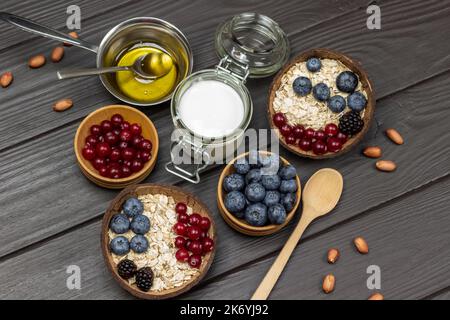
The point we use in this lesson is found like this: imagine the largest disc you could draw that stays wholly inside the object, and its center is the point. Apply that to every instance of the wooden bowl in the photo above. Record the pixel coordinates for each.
(354, 66)
(179, 195)
(240, 224)
(131, 115)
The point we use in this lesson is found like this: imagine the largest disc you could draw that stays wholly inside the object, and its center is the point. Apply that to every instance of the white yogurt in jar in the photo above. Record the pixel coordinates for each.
(211, 109)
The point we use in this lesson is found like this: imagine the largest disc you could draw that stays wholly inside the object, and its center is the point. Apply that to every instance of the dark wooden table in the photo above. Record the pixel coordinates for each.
(50, 214)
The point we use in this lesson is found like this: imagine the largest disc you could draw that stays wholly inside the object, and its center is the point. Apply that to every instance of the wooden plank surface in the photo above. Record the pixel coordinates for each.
(37, 164)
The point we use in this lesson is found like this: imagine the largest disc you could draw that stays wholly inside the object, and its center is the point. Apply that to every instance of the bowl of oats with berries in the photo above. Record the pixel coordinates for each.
(158, 241)
(321, 104)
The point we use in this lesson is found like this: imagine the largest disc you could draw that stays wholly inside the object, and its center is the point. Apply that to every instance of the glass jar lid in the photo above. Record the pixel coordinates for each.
(254, 43)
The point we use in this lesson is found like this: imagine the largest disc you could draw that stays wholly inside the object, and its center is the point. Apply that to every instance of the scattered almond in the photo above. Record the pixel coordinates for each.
(395, 136)
(72, 34)
(62, 105)
(36, 61)
(6, 79)
(386, 165)
(376, 296)
(328, 283)
(372, 152)
(361, 245)
(333, 255)
(57, 54)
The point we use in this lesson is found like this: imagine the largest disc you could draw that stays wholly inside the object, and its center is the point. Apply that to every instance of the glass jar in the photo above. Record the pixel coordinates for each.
(250, 45)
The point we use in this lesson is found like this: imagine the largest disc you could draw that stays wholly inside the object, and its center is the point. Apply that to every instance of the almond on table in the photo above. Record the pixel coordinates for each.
(386, 165)
(6, 79)
(333, 255)
(36, 61)
(372, 152)
(57, 54)
(63, 104)
(395, 136)
(361, 245)
(328, 283)
(72, 34)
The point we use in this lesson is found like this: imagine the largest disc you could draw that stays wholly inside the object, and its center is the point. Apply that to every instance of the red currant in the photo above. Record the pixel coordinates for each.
(194, 219)
(193, 232)
(125, 125)
(180, 229)
(125, 171)
(285, 130)
(135, 129)
(298, 131)
(279, 119)
(128, 154)
(114, 172)
(203, 235)
(111, 138)
(196, 247)
(125, 135)
(290, 139)
(116, 120)
(319, 147)
(136, 141)
(145, 155)
(127, 163)
(183, 217)
(182, 255)
(181, 207)
(96, 130)
(195, 261)
(101, 138)
(146, 145)
(123, 144)
(103, 150)
(115, 155)
(331, 130)
(309, 133)
(88, 153)
(98, 163)
(305, 144)
(180, 242)
(116, 131)
(208, 245)
(103, 171)
(91, 140)
(319, 135)
(334, 144)
(136, 165)
(204, 223)
(342, 137)
(106, 126)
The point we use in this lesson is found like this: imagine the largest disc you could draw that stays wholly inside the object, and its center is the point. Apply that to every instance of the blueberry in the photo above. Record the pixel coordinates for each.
(321, 92)
(271, 164)
(235, 201)
(233, 182)
(255, 192)
(139, 243)
(336, 104)
(288, 201)
(313, 64)
(272, 198)
(119, 224)
(302, 86)
(288, 186)
(287, 172)
(271, 182)
(357, 101)
(277, 214)
(120, 245)
(253, 175)
(140, 224)
(132, 207)
(256, 215)
(242, 166)
(347, 81)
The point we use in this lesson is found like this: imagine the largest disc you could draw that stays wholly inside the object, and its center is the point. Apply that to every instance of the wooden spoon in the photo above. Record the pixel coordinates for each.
(320, 195)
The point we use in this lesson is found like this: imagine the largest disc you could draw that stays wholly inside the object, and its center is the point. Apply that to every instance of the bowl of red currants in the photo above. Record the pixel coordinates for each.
(116, 146)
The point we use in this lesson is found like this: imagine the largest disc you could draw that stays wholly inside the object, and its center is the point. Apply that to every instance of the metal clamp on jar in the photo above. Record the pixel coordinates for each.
(212, 108)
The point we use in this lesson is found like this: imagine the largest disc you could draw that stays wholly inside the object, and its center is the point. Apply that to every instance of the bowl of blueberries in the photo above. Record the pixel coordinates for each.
(258, 193)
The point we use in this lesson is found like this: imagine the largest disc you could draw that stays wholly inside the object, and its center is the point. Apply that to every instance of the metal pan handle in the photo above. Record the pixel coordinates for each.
(39, 29)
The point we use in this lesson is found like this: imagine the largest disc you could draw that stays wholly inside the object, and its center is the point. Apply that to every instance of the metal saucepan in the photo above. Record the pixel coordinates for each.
(158, 32)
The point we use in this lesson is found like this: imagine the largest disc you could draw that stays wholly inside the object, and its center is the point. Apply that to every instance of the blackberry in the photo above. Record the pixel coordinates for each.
(351, 123)
(144, 278)
(126, 269)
